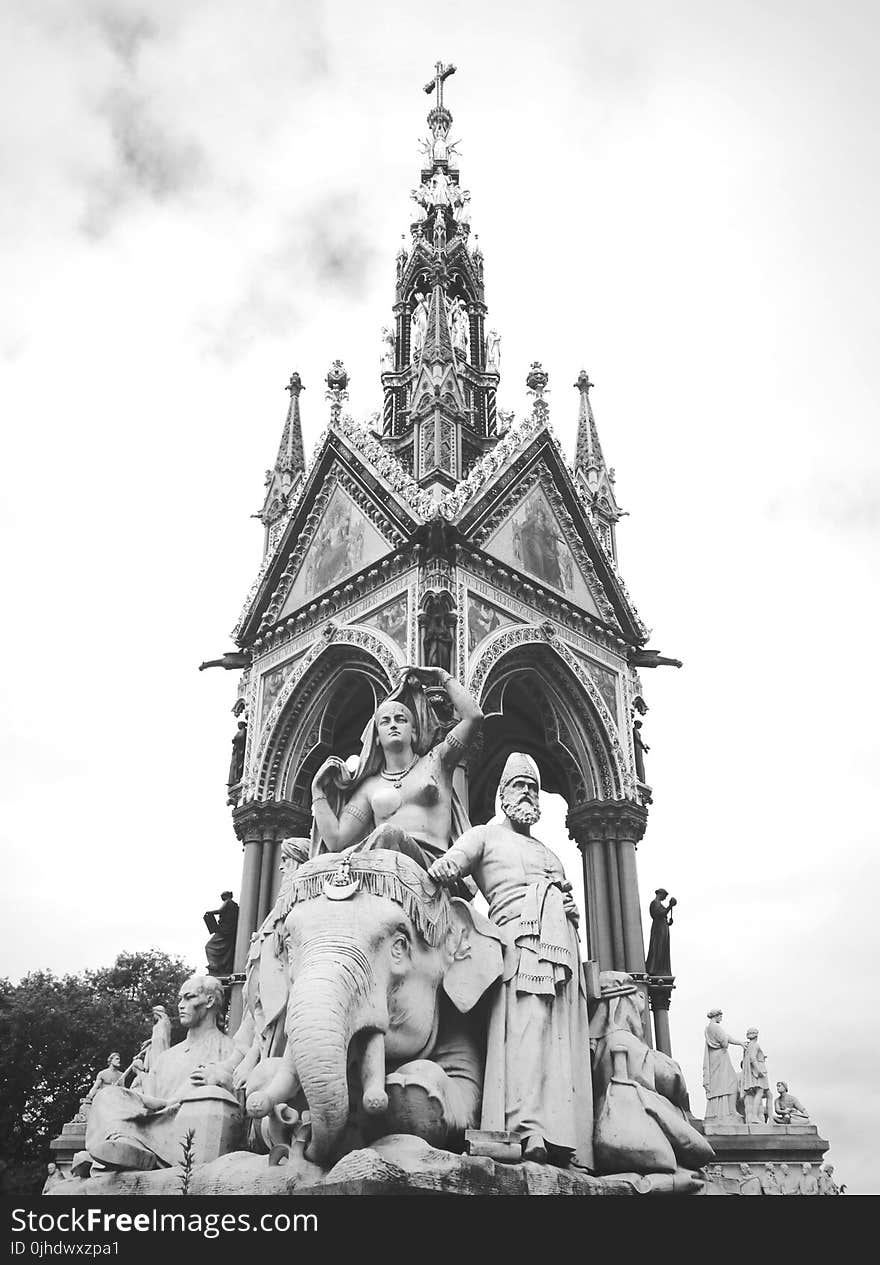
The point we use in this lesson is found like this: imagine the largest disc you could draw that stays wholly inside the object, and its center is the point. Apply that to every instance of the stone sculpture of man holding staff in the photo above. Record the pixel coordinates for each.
(537, 1082)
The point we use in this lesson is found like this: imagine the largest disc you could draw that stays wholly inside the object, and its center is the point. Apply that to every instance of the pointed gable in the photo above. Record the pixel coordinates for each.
(533, 540)
(343, 542)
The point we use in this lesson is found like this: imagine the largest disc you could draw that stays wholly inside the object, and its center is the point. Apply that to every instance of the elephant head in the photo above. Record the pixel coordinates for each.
(371, 941)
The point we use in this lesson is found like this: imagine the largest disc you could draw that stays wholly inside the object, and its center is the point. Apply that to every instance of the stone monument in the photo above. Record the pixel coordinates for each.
(439, 633)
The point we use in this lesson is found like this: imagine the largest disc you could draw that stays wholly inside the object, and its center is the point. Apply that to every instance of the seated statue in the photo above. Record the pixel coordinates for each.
(401, 796)
(109, 1075)
(786, 1105)
(143, 1129)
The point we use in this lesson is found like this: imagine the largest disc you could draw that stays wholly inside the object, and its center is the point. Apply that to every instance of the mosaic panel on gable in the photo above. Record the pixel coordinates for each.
(533, 541)
(345, 541)
(483, 619)
(390, 619)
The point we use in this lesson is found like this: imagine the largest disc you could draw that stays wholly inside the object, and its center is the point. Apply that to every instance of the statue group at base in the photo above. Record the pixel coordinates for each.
(380, 1004)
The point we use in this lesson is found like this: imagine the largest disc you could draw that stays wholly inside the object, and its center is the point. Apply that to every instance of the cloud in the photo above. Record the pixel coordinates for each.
(847, 502)
(148, 161)
(329, 247)
(126, 30)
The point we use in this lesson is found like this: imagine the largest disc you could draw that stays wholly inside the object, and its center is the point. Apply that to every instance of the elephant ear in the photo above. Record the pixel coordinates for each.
(478, 958)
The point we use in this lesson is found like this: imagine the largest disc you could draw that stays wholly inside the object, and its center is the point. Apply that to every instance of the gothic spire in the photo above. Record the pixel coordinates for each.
(291, 454)
(594, 477)
(289, 464)
(440, 370)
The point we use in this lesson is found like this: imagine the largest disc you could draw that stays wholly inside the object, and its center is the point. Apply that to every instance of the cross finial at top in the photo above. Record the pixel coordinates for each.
(583, 383)
(441, 73)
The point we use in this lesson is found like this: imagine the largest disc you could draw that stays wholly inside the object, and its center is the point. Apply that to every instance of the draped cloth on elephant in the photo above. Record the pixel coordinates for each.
(537, 1063)
(123, 1116)
(380, 873)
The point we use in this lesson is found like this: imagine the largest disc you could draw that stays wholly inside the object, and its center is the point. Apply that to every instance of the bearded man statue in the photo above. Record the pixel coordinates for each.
(537, 1083)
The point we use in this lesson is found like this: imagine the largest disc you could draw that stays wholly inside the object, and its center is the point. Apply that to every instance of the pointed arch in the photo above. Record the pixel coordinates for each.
(538, 698)
(322, 711)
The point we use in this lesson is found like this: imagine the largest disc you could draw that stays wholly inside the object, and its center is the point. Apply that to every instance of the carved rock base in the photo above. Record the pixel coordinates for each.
(398, 1164)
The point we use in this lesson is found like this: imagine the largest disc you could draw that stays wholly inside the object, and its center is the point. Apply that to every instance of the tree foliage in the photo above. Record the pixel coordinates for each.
(56, 1034)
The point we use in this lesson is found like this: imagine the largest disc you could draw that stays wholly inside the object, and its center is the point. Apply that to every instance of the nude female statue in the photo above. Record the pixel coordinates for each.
(401, 795)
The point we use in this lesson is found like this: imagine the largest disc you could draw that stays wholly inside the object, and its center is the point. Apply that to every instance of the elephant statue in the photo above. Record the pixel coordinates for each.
(385, 969)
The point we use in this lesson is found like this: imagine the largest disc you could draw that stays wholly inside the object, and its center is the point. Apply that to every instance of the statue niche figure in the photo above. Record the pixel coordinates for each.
(401, 796)
(236, 763)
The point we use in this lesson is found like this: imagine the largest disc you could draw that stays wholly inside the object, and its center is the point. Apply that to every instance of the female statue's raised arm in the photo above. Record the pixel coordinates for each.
(468, 728)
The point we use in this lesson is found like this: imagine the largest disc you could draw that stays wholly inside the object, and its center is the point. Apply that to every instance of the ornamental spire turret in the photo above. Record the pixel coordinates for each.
(291, 454)
(596, 480)
(289, 464)
(440, 366)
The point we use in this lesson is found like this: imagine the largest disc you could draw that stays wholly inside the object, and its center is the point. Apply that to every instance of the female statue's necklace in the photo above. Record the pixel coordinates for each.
(396, 779)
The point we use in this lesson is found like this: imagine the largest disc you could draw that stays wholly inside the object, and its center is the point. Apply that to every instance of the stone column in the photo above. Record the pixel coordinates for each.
(607, 832)
(260, 825)
(660, 990)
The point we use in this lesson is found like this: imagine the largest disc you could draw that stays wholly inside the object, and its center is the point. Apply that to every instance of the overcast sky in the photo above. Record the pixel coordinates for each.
(681, 198)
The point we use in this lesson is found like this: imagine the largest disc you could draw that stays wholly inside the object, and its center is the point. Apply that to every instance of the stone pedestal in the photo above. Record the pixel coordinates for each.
(215, 1117)
(71, 1139)
(760, 1144)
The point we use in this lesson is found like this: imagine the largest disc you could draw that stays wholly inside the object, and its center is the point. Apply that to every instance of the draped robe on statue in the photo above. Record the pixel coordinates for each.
(124, 1129)
(720, 1080)
(537, 1055)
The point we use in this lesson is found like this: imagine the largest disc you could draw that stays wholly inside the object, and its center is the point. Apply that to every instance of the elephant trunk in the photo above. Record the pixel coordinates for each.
(331, 997)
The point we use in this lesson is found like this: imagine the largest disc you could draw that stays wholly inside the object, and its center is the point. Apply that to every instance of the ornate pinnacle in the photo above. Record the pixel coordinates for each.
(291, 456)
(337, 382)
(337, 378)
(537, 379)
